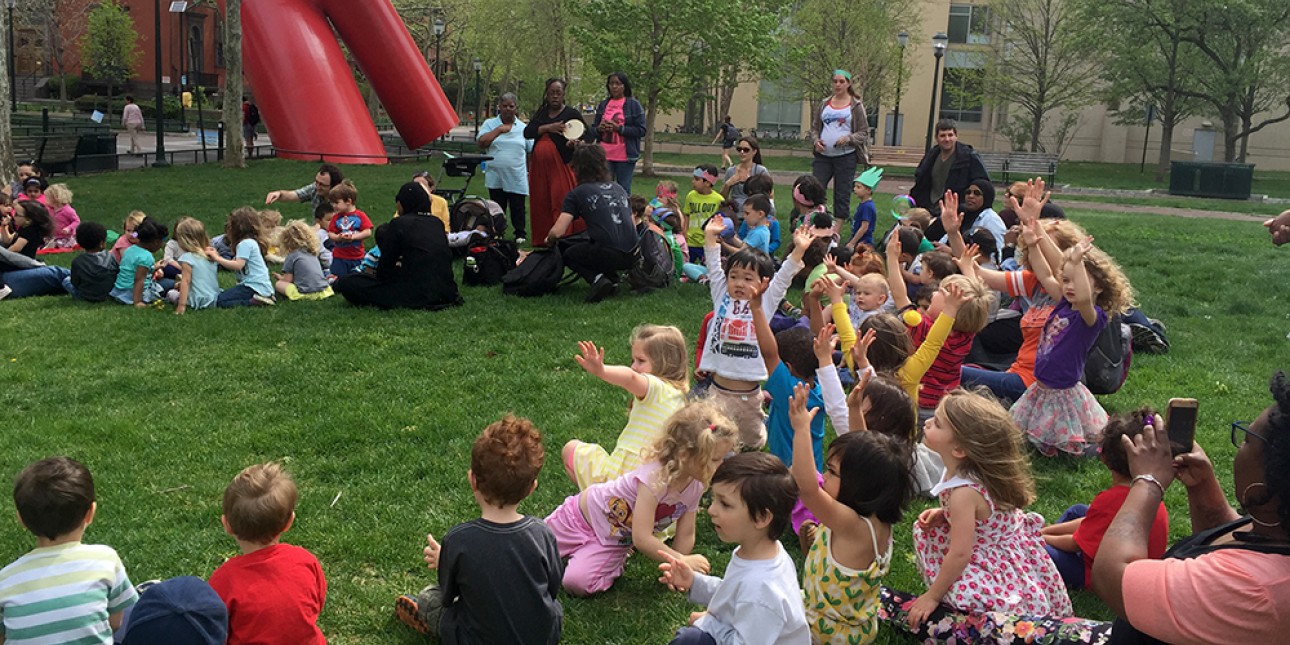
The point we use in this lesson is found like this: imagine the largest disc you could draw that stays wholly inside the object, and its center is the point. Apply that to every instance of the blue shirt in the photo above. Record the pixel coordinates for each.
(772, 226)
(203, 288)
(865, 212)
(759, 238)
(779, 431)
(255, 273)
(133, 257)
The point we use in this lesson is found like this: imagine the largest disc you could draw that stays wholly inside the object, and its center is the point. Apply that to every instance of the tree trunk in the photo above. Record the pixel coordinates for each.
(1229, 137)
(1036, 127)
(8, 169)
(1245, 135)
(651, 111)
(231, 110)
(1166, 148)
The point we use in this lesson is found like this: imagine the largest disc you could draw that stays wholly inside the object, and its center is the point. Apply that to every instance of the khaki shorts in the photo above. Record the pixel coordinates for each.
(744, 408)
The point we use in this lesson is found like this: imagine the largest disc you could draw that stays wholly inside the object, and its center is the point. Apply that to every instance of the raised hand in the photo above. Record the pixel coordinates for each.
(755, 300)
(860, 351)
(954, 297)
(798, 415)
(950, 204)
(591, 358)
(824, 343)
(967, 262)
(802, 237)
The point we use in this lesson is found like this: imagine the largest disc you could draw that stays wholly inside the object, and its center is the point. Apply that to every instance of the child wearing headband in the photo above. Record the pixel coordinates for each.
(700, 205)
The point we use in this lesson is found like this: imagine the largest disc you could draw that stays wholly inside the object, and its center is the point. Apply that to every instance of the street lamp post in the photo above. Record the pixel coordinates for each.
(438, 37)
(939, 41)
(903, 39)
(160, 160)
(479, 100)
(180, 7)
(13, 91)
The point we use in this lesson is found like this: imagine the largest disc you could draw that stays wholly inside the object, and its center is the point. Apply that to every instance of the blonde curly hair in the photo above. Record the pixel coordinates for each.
(984, 430)
(1063, 232)
(298, 236)
(691, 438)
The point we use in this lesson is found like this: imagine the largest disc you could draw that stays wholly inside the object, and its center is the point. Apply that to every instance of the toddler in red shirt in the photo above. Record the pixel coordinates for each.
(274, 591)
(1073, 541)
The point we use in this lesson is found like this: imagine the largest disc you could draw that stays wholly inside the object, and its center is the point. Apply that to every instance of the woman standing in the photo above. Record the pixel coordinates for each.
(550, 177)
(749, 165)
(507, 174)
(840, 130)
(620, 126)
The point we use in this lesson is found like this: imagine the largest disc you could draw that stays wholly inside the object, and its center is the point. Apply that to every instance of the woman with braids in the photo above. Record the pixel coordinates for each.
(1230, 580)
(550, 176)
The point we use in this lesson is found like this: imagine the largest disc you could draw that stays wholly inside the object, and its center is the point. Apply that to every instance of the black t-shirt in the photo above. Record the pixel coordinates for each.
(500, 583)
(35, 239)
(607, 212)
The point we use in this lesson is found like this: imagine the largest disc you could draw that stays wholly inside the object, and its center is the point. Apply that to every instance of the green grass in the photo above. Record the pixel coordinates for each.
(374, 411)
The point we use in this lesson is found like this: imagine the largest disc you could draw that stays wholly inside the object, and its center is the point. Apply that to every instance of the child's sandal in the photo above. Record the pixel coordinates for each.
(408, 613)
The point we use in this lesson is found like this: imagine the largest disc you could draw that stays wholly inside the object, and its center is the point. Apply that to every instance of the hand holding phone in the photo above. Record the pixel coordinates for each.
(1180, 422)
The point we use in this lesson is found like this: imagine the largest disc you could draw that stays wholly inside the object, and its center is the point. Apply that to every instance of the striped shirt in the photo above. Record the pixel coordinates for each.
(943, 375)
(645, 426)
(63, 594)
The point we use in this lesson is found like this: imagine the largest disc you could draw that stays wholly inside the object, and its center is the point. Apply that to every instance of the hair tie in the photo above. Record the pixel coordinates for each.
(843, 73)
(134, 235)
(712, 426)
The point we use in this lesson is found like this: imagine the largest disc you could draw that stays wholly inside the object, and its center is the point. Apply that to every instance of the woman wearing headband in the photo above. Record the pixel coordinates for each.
(840, 131)
(550, 177)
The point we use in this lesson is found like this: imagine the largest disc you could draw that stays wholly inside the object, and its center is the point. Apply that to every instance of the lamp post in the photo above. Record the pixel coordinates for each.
(939, 42)
(479, 101)
(179, 7)
(438, 37)
(13, 91)
(903, 39)
(160, 160)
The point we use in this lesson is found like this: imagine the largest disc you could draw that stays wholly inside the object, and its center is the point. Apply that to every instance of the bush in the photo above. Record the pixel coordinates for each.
(91, 102)
(73, 85)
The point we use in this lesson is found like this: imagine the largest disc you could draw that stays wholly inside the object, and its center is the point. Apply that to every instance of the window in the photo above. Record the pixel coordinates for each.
(961, 95)
(778, 107)
(969, 24)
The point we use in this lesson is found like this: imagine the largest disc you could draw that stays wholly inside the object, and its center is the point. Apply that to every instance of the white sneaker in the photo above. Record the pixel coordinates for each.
(5, 291)
(519, 241)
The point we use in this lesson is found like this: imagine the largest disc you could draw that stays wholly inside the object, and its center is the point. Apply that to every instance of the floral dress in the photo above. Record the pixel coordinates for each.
(1009, 571)
(842, 603)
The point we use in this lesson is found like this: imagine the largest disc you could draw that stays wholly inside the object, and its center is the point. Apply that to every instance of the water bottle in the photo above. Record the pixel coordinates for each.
(472, 265)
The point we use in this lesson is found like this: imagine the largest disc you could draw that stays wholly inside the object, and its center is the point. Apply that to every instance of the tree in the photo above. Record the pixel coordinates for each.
(7, 166)
(1145, 62)
(231, 110)
(109, 47)
(665, 45)
(1040, 62)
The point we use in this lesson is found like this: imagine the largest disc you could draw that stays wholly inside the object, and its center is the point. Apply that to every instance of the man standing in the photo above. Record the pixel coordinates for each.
(132, 119)
(250, 119)
(948, 166)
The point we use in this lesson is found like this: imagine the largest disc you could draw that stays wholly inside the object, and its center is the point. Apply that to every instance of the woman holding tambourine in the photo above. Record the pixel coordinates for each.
(556, 129)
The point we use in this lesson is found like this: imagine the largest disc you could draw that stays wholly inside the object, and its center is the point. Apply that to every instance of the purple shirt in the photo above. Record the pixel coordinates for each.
(1064, 346)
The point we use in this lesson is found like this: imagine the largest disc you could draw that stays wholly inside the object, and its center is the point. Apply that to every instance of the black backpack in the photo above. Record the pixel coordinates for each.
(488, 261)
(253, 115)
(1108, 362)
(653, 268)
(538, 275)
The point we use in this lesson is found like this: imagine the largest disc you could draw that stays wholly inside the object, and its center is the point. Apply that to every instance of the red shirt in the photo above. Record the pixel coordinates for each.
(1100, 513)
(273, 595)
(944, 373)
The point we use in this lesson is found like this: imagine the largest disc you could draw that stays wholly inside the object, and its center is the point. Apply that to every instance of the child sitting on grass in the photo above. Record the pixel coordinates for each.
(26, 230)
(127, 238)
(349, 227)
(1073, 542)
(657, 379)
(62, 591)
(244, 235)
(302, 276)
(134, 279)
(94, 271)
(198, 285)
(273, 591)
(758, 600)
(499, 575)
(58, 199)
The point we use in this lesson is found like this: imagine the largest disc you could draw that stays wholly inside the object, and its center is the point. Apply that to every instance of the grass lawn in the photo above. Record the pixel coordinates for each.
(374, 412)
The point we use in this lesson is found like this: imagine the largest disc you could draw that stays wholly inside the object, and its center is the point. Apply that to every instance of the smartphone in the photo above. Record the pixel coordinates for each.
(1180, 421)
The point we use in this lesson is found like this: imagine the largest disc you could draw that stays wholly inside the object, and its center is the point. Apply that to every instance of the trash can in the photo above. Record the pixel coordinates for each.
(96, 152)
(1204, 179)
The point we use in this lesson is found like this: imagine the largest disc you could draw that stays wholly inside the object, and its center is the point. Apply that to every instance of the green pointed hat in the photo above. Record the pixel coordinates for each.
(869, 177)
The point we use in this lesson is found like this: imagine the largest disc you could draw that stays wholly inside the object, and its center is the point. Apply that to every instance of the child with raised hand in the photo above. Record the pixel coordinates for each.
(730, 350)
(58, 199)
(1057, 412)
(499, 575)
(26, 230)
(869, 291)
(134, 279)
(758, 600)
(865, 489)
(598, 528)
(1073, 542)
(701, 204)
(980, 551)
(198, 285)
(657, 379)
(302, 276)
(242, 232)
(273, 591)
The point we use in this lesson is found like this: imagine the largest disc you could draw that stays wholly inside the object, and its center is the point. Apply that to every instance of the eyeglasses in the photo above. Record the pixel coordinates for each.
(744, 149)
(1244, 427)
(973, 192)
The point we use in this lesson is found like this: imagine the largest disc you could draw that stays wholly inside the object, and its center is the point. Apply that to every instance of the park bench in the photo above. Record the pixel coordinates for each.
(895, 156)
(1025, 165)
(54, 153)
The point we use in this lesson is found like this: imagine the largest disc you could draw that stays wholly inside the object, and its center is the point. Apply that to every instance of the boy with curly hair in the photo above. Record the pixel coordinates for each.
(499, 575)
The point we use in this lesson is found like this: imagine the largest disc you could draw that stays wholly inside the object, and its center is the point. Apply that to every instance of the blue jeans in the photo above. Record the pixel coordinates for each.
(622, 172)
(341, 267)
(40, 281)
(693, 636)
(1070, 565)
(238, 296)
(1004, 385)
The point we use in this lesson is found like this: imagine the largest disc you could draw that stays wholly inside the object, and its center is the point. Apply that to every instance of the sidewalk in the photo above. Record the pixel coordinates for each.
(182, 148)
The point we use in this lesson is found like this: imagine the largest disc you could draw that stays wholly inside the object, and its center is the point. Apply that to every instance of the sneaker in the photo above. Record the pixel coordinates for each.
(600, 289)
(406, 610)
(5, 291)
(1148, 340)
(806, 536)
(521, 241)
(266, 301)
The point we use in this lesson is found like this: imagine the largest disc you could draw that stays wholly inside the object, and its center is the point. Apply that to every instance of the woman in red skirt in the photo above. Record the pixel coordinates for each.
(550, 177)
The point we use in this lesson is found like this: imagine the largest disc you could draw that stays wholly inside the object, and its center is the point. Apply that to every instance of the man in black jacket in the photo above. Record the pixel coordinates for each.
(949, 166)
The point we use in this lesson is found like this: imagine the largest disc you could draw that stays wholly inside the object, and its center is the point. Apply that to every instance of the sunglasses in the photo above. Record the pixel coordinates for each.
(743, 149)
(1244, 427)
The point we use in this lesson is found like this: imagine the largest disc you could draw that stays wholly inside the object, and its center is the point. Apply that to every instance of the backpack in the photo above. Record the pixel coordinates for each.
(538, 275)
(732, 133)
(488, 262)
(654, 266)
(253, 115)
(1108, 362)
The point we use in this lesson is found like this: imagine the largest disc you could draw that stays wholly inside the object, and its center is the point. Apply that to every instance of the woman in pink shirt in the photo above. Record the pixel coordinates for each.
(619, 127)
(1230, 580)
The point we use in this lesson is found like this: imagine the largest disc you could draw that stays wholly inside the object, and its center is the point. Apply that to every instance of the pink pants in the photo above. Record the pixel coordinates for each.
(592, 567)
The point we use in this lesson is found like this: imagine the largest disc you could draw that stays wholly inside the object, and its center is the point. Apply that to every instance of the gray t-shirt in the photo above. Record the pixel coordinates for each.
(940, 175)
(306, 271)
(737, 194)
(94, 275)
